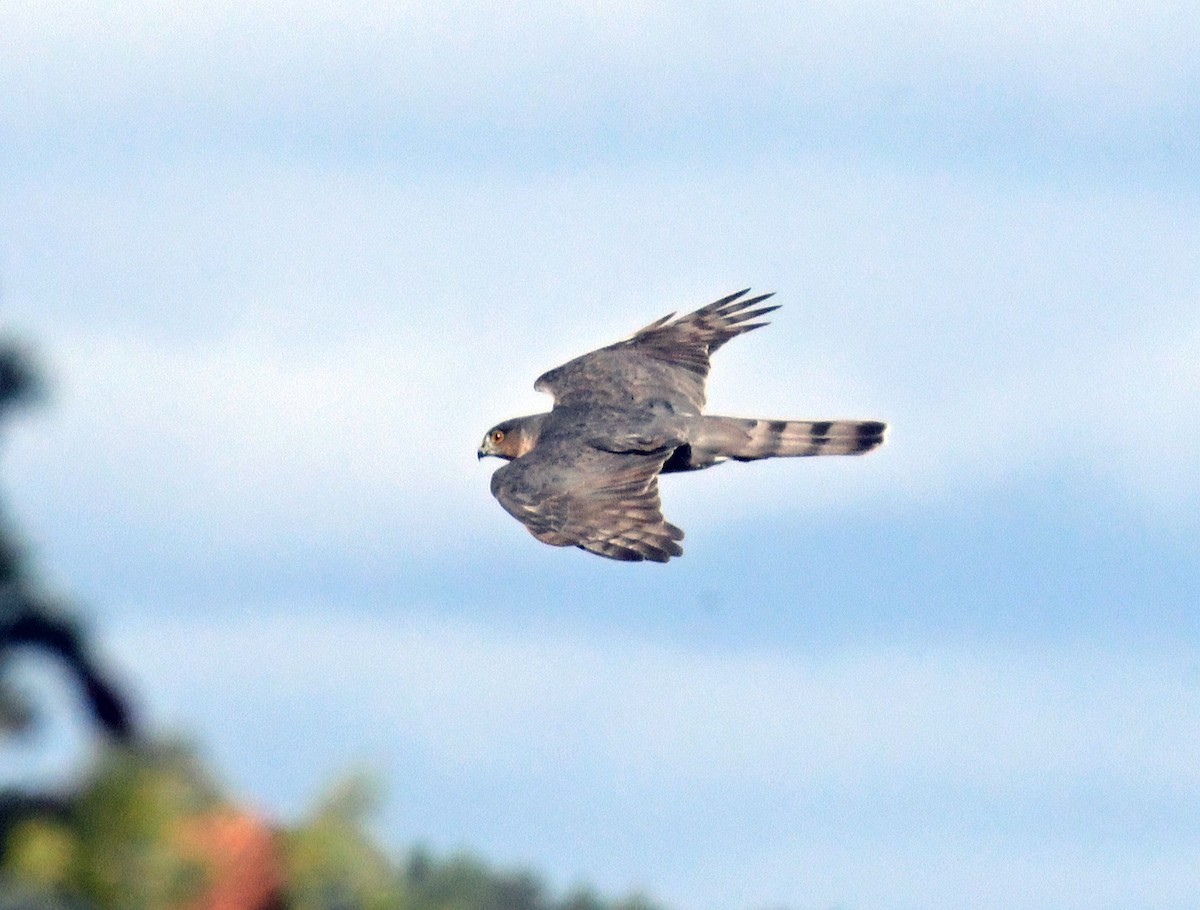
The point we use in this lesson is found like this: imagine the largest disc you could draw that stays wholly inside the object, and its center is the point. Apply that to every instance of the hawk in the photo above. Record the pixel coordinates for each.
(585, 473)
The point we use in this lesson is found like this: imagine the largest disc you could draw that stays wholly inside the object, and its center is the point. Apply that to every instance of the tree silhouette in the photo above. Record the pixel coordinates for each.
(29, 619)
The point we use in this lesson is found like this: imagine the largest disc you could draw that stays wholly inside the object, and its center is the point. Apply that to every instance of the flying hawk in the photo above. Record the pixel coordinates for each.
(585, 473)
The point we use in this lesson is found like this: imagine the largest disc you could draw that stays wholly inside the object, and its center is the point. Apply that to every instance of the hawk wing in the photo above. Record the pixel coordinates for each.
(666, 360)
(600, 501)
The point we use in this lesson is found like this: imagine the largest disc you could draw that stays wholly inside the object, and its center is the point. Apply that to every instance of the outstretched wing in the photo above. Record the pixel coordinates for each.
(601, 501)
(666, 360)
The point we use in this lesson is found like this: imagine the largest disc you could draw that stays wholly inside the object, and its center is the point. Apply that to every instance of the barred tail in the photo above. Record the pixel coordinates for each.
(716, 439)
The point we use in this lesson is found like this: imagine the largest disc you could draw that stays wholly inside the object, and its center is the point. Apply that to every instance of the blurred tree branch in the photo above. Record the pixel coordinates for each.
(29, 620)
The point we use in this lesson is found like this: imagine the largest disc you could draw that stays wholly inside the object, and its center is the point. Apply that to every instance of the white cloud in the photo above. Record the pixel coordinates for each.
(248, 352)
(1147, 417)
(894, 738)
(233, 445)
(1089, 63)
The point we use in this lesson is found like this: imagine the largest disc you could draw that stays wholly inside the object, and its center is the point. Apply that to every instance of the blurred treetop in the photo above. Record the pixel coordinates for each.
(148, 828)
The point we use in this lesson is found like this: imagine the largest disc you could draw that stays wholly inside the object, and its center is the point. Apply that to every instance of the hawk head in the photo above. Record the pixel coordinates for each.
(512, 438)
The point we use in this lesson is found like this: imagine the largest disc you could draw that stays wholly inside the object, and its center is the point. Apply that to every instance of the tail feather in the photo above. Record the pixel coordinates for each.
(721, 438)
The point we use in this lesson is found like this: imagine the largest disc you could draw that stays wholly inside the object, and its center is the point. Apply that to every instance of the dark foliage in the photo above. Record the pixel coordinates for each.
(29, 620)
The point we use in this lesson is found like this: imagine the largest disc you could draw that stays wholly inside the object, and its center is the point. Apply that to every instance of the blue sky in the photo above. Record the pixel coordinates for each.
(284, 266)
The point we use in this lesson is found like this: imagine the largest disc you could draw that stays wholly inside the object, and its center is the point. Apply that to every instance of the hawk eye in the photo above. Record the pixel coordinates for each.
(497, 436)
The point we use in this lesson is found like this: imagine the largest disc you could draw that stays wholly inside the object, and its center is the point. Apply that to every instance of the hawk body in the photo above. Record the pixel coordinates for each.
(585, 473)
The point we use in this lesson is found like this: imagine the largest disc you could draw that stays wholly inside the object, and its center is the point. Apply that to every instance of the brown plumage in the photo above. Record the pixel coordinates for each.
(585, 473)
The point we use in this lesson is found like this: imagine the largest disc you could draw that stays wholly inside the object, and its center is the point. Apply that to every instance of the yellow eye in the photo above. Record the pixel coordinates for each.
(498, 436)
